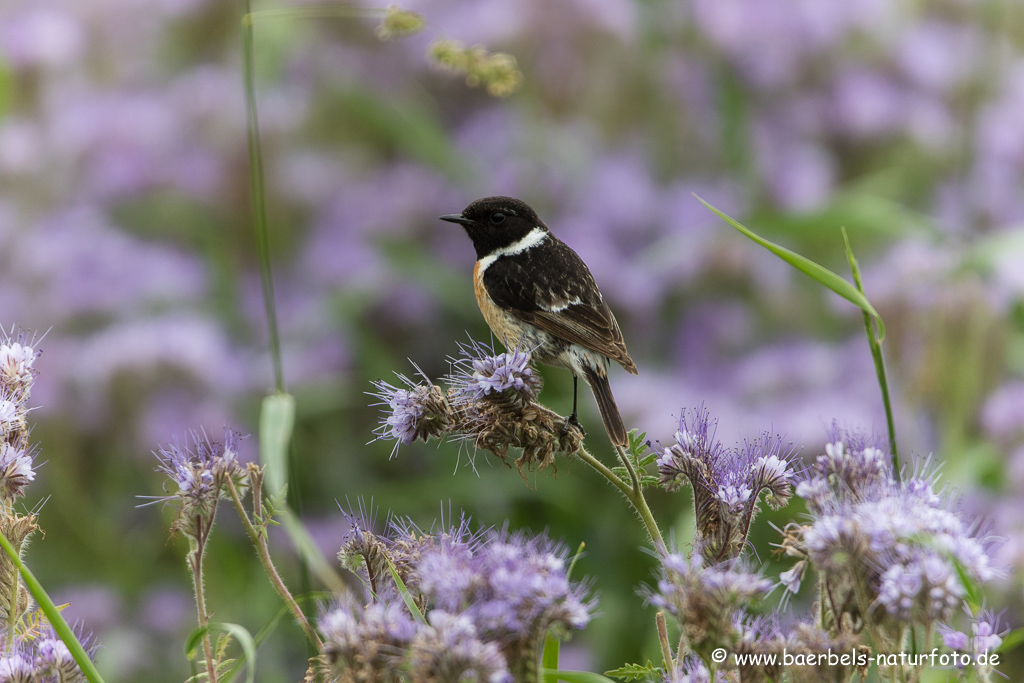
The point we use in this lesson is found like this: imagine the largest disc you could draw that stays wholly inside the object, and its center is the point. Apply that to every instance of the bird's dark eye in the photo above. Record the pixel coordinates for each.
(497, 217)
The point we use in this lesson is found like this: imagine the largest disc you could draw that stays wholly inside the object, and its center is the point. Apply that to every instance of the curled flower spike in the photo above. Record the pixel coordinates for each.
(15, 471)
(449, 649)
(17, 355)
(480, 373)
(200, 474)
(489, 597)
(491, 402)
(888, 551)
(17, 668)
(367, 644)
(706, 600)
(419, 412)
(727, 483)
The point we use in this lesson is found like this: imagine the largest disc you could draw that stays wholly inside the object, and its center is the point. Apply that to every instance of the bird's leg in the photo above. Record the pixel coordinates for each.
(572, 420)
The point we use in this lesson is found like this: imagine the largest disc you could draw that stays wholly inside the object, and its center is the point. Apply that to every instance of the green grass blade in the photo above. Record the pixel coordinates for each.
(808, 267)
(555, 675)
(277, 420)
(552, 648)
(404, 591)
(1011, 640)
(60, 626)
(259, 200)
(876, 355)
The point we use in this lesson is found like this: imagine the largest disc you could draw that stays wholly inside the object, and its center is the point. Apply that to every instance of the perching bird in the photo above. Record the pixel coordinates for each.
(537, 294)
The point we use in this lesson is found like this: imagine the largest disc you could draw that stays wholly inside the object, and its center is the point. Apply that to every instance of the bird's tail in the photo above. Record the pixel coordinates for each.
(606, 403)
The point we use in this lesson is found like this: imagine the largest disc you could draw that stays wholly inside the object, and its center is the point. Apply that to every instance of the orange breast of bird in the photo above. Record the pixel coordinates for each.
(503, 325)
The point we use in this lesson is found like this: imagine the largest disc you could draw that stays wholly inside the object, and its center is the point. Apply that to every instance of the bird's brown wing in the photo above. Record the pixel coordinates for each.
(552, 288)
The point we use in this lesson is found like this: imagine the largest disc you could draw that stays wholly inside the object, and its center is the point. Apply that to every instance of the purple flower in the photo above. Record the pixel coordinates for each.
(371, 643)
(691, 670)
(480, 373)
(54, 658)
(986, 635)
(953, 639)
(15, 471)
(449, 649)
(727, 483)
(200, 473)
(897, 540)
(513, 588)
(419, 412)
(17, 668)
(707, 600)
(926, 590)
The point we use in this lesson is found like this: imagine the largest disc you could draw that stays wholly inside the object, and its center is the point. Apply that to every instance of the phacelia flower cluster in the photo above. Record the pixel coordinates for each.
(708, 601)
(488, 599)
(17, 356)
(491, 402)
(889, 551)
(199, 476)
(727, 483)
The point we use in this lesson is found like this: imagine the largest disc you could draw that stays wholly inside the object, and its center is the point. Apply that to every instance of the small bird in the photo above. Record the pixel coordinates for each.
(536, 293)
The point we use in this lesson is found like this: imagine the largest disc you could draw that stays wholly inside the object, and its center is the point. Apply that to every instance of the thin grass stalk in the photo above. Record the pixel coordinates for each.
(259, 201)
(876, 356)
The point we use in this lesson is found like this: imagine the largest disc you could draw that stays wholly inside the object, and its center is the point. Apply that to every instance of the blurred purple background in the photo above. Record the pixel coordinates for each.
(125, 237)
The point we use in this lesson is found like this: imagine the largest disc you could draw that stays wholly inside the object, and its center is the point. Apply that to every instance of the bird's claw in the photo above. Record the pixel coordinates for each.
(570, 422)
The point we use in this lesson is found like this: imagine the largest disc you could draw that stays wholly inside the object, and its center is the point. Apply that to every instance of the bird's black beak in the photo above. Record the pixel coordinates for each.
(456, 218)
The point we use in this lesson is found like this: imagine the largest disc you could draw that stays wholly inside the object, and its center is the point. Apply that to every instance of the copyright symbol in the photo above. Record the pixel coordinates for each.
(718, 655)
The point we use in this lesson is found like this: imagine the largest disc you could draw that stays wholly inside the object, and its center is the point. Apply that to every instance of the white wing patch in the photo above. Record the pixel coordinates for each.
(557, 305)
(528, 241)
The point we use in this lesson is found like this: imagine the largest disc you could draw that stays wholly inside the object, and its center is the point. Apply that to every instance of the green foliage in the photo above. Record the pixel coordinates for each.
(640, 458)
(52, 612)
(573, 677)
(633, 672)
(808, 267)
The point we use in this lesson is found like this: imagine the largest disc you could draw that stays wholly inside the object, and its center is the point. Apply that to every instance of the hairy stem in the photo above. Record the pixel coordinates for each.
(259, 541)
(634, 494)
(196, 562)
(666, 648)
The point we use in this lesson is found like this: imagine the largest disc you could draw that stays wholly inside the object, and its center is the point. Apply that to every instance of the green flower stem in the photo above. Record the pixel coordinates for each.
(634, 494)
(259, 541)
(666, 649)
(195, 558)
(621, 452)
(876, 356)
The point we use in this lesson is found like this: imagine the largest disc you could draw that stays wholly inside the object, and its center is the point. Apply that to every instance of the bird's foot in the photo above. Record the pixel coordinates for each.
(570, 422)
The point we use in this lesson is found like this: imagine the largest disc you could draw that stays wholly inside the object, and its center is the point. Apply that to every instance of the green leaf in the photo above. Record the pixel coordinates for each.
(277, 419)
(552, 646)
(808, 267)
(970, 585)
(575, 558)
(406, 595)
(1011, 640)
(555, 675)
(246, 641)
(631, 672)
(60, 626)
